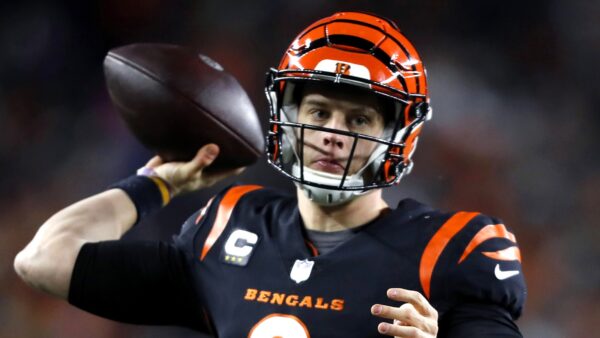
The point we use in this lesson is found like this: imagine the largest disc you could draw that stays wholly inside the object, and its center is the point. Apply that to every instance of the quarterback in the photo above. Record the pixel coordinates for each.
(348, 101)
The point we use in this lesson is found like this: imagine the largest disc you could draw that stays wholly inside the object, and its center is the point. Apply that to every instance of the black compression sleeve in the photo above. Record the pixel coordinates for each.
(136, 282)
(478, 320)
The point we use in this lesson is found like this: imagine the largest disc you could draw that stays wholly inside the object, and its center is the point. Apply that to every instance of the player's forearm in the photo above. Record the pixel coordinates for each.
(47, 262)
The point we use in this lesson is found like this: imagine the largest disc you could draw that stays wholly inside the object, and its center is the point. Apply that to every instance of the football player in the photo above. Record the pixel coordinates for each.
(348, 102)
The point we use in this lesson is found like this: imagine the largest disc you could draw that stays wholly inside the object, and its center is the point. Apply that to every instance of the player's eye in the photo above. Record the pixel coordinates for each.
(319, 115)
(360, 121)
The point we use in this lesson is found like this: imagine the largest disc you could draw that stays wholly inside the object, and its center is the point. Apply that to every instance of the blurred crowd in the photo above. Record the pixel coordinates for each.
(513, 134)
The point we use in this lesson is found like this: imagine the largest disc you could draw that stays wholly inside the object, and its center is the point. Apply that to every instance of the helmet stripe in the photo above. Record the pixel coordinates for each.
(355, 42)
(394, 35)
(360, 23)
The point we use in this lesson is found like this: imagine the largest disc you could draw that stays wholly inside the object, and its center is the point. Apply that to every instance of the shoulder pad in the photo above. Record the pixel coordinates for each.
(215, 214)
(474, 258)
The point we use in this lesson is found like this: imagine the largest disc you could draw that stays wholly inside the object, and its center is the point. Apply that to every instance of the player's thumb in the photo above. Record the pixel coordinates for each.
(205, 156)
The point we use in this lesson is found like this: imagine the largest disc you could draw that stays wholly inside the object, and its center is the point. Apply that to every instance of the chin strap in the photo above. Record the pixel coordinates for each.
(328, 197)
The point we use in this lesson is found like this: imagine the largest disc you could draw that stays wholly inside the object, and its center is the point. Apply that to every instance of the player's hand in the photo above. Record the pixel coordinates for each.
(415, 318)
(189, 176)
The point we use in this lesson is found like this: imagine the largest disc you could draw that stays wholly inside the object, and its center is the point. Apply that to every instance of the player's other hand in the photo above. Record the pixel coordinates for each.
(415, 318)
(189, 176)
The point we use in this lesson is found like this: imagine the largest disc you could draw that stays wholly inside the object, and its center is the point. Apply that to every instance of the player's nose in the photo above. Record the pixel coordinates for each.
(335, 140)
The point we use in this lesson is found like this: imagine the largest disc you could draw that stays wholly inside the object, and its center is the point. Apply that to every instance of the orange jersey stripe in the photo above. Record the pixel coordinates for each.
(509, 254)
(487, 232)
(224, 213)
(438, 243)
(203, 210)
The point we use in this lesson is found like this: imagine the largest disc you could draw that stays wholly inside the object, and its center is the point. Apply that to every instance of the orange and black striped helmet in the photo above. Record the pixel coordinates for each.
(356, 49)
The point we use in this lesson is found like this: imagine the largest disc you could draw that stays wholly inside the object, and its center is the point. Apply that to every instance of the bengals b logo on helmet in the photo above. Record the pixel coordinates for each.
(342, 68)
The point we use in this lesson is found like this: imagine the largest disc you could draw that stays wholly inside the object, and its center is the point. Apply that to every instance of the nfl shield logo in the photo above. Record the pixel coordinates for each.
(301, 270)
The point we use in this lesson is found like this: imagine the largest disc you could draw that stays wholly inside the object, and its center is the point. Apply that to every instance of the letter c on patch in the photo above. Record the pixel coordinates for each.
(240, 243)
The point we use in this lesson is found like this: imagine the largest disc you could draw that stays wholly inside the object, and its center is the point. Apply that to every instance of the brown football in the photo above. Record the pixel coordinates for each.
(175, 100)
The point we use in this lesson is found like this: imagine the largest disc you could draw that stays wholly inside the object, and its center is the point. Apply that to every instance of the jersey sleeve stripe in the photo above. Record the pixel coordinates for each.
(224, 213)
(438, 243)
(203, 210)
(487, 232)
(509, 254)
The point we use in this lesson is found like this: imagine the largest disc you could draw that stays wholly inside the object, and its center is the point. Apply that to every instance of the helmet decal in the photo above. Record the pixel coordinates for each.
(343, 68)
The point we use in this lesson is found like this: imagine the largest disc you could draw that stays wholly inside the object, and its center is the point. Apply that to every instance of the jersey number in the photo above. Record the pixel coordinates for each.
(278, 325)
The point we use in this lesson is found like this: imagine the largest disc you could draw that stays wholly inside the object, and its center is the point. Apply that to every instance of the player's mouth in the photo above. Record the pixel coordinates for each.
(328, 164)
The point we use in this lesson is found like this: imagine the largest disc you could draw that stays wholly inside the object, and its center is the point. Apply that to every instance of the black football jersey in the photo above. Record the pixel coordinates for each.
(255, 274)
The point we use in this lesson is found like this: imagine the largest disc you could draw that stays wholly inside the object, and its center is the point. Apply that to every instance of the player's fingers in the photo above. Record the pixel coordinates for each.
(154, 162)
(406, 315)
(401, 331)
(204, 157)
(409, 316)
(415, 298)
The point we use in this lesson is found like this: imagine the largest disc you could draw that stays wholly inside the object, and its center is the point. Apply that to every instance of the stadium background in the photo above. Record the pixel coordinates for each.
(515, 95)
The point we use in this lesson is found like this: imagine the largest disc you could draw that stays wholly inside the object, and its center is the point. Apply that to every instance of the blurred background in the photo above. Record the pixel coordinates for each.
(513, 85)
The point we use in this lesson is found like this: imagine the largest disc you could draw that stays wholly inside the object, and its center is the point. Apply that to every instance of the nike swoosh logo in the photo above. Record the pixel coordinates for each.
(502, 275)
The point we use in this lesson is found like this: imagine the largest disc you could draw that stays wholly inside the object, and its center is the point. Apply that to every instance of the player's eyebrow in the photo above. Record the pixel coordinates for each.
(319, 102)
(324, 102)
(364, 110)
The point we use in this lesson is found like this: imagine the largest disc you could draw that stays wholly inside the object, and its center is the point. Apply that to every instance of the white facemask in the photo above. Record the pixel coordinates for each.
(328, 197)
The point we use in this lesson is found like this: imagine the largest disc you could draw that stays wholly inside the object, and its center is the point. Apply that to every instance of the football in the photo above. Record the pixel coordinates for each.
(175, 100)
